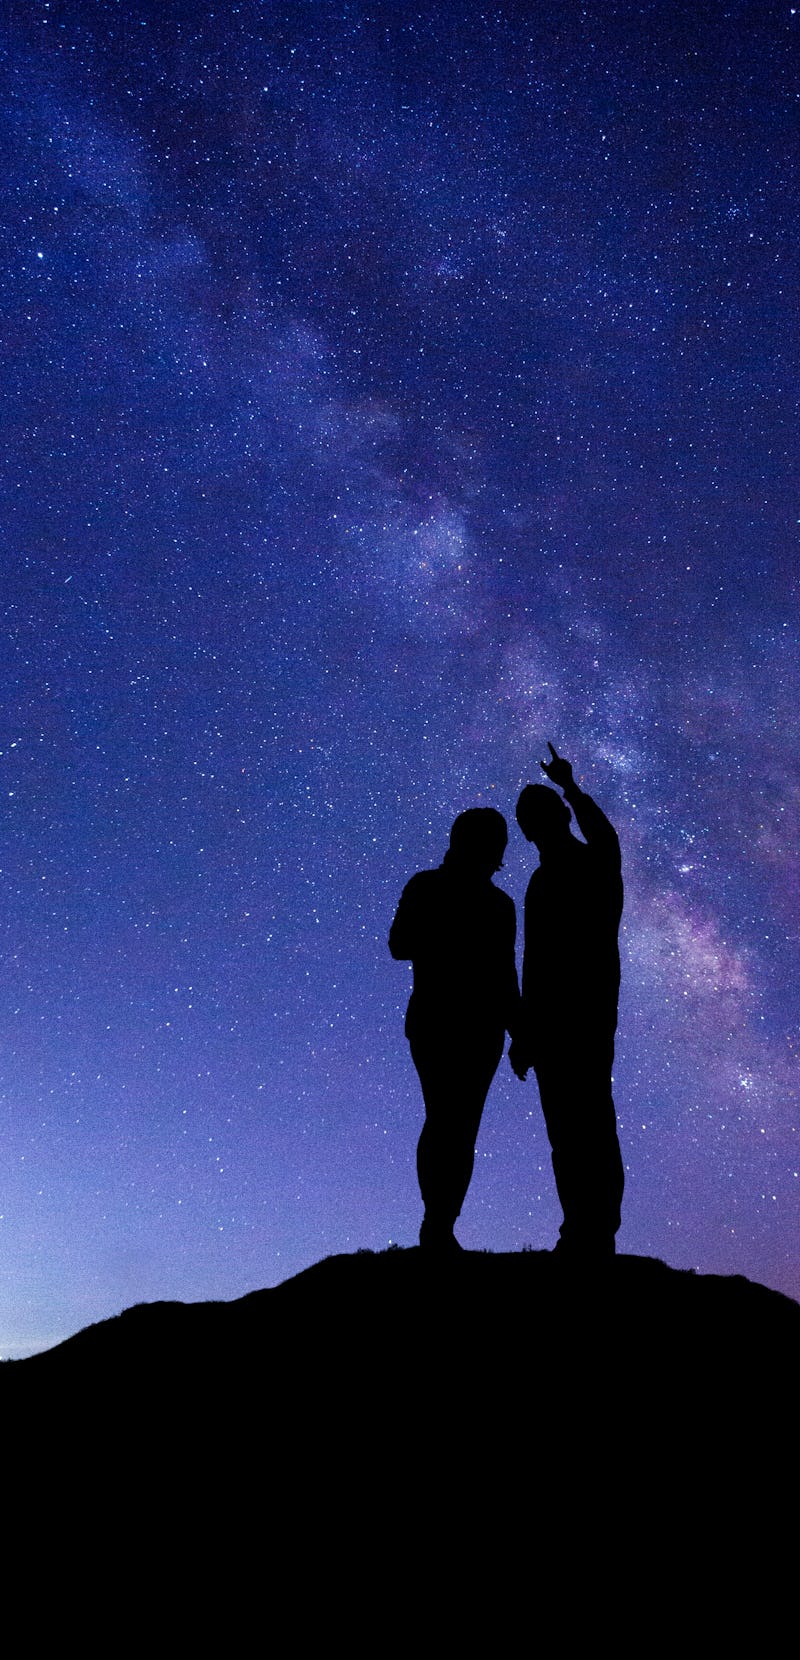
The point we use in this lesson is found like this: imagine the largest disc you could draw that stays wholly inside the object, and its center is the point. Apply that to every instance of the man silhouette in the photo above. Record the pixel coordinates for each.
(570, 990)
(459, 930)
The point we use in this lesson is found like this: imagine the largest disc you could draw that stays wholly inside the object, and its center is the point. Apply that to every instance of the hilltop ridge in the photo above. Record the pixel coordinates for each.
(378, 1404)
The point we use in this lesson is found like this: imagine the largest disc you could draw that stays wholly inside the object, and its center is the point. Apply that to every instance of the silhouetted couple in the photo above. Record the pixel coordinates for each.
(459, 931)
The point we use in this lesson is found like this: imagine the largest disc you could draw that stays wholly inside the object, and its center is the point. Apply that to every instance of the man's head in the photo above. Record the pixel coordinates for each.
(542, 816)
(478, 840)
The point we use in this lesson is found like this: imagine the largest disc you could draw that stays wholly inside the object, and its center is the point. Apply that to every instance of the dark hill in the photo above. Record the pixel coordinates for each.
(377, 1411)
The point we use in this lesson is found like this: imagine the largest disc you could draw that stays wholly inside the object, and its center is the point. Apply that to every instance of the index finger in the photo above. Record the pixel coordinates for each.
(553, 751)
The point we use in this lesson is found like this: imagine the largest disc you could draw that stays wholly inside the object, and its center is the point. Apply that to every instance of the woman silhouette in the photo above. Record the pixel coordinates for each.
(459, 932)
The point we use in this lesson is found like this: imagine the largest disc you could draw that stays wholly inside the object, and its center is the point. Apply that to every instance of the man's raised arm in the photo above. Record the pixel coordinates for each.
(598, 831)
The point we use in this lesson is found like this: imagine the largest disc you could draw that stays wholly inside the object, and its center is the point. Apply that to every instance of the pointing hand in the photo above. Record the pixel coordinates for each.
(558, 770)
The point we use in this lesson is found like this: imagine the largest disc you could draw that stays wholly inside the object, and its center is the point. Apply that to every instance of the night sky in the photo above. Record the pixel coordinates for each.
(387, 391)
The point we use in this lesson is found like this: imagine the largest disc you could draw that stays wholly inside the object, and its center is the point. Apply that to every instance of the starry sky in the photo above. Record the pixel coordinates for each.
(388, 390)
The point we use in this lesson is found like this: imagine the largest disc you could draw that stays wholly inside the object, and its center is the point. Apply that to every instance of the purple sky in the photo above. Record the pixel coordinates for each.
(386, 393)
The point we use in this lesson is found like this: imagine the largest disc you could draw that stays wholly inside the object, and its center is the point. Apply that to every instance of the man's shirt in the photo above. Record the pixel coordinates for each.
(570, 969)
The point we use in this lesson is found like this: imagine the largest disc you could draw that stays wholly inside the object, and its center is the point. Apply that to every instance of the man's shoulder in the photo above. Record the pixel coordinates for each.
(421, 880)
(534, 883)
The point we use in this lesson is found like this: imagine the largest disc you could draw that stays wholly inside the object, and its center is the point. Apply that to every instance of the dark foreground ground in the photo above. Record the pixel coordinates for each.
(486, 1437)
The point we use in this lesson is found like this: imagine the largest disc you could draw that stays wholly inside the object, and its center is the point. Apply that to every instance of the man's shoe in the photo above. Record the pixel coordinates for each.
(584, 1253)
(437, 1240)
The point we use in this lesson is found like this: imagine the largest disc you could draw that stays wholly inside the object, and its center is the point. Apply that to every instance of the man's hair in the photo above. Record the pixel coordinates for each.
(540, 808)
